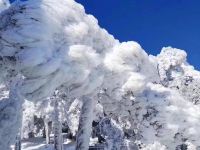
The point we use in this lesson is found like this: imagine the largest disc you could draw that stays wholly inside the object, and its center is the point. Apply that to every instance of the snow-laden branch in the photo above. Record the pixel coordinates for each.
(52, 47)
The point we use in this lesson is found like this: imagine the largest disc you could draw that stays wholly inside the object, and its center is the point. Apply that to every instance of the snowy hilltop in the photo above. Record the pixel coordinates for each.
(65, 78)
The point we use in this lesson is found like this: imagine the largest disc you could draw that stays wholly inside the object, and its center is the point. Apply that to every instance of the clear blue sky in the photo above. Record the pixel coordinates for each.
(152, 23)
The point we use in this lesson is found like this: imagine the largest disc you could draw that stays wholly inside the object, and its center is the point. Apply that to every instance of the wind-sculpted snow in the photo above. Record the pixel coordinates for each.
(52, 42)
(126, 67)
(55, 45)
(151, 111)
(169, 62)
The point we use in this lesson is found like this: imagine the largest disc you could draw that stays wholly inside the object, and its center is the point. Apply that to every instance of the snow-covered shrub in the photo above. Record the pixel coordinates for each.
(188, 87)
(170, 62)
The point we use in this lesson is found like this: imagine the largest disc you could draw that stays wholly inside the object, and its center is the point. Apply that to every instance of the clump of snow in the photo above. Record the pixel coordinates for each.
(129, 57)
(135, 83)
(125, 67)
(174, 56)
(4, 4)
(154, 146)
(169, 63)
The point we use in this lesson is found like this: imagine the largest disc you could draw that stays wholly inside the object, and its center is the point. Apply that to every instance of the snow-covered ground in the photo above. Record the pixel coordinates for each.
(39, 144)
(35, 144)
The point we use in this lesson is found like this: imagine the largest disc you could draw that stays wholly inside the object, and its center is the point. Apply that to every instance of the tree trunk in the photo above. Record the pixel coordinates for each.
(85, 124)
(18, 142)
(58, 142)
(47, 132)
(10, 118)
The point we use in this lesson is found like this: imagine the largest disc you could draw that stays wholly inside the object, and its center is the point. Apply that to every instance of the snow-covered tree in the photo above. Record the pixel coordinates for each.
(51, 48)
(178, 74)
(10, 116)
(85, 124)
(27, 128)
(142, 106)
(55, 46)
(170, 62)
(18, 142)
(58, 141)
(188, 87)
(112, 133)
